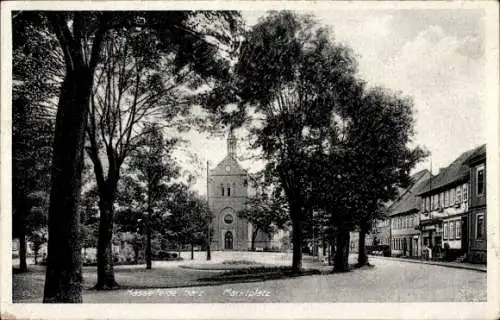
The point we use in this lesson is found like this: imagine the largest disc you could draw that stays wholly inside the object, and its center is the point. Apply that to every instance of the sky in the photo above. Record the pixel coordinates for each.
(434, 56)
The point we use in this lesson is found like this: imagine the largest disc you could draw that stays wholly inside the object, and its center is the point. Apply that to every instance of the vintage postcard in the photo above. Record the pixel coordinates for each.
(249, 159)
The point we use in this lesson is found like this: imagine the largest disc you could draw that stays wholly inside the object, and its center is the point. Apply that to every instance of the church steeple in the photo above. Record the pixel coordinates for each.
(231, 144)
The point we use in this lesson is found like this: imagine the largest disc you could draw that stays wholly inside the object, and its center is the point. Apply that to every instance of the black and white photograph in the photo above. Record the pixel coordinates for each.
(249, 160)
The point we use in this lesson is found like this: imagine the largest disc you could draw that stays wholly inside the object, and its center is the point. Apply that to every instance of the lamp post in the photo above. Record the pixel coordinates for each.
(209, 255)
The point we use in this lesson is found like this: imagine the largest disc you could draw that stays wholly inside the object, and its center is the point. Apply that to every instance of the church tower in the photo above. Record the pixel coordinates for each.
(227, 194)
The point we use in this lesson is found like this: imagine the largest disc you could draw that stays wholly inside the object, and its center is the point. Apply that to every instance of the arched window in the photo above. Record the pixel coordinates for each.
(228, 190)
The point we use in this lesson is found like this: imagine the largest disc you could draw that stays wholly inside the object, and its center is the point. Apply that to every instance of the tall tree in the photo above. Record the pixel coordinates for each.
(80, 36)
(144, 77)
(290, 75)
(154, 167)
(31, 150)
(367, 154)
(34, 85)
(380, 133)
(189, 216)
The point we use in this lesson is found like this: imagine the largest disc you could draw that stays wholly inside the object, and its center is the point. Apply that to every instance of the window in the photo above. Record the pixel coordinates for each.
(436, 201)
(423, 204)
(445, 230)
(428, 205)
(452, 230)
(480, 180)
(465, 193)
(446, 198)
(459, 195)
(480, 226)
(228, 191)
(452, 196)
(441, 200)
(228, 219)
(458, 229)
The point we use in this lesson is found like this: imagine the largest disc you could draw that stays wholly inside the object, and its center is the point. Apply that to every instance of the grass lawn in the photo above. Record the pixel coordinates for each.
(29, 286)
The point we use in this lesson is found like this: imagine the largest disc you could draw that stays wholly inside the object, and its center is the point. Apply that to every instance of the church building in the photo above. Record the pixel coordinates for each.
(228, 190)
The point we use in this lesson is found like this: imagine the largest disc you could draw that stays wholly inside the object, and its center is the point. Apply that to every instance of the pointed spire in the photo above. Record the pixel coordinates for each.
(231, 144)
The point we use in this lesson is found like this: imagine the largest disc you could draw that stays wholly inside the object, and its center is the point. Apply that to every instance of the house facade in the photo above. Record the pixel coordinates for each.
(476, 232)
(404, 218)
(380, 233)
(444, 209)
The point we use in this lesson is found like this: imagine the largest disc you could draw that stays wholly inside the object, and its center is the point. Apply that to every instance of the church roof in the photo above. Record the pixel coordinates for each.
(228, 161)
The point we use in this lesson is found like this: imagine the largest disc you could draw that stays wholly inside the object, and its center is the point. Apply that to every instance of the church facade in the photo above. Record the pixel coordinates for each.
(228, 190)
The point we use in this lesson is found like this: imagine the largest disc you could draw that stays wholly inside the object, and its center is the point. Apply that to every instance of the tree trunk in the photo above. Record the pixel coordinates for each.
(192, 251)
(136, 254)
(362, 257)
(23, 266)
(149, 257)
(64, 271)
(296, 241)
(341, 261)
(209, 253)
(19, 220)
(324, 245)
(105, 263)
(254, 236)
(36, 256)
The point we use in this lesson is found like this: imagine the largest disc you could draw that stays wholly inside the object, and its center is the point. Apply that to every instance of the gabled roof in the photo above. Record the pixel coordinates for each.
(479, 154)
(231, 162)
(456, 172)
(408, 199)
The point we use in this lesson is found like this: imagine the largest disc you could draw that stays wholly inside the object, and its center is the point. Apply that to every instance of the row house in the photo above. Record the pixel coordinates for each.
(380, 233)
(444, 218)
(404, 218)
(476, 218)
